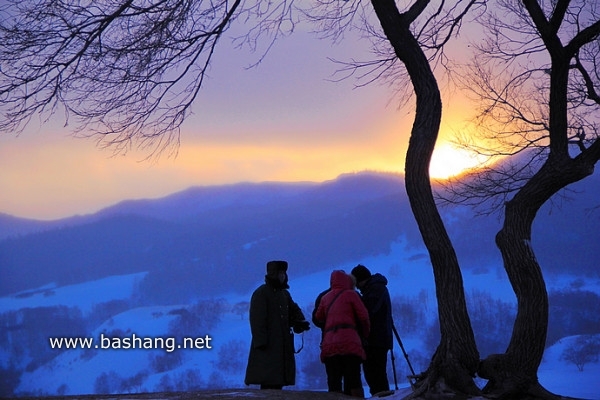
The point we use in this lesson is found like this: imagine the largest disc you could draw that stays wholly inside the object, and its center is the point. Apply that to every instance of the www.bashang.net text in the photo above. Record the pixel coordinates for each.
(168, 344)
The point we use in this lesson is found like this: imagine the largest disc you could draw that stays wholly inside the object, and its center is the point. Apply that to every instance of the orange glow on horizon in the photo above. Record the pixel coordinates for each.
(53, 176)
(78, 178)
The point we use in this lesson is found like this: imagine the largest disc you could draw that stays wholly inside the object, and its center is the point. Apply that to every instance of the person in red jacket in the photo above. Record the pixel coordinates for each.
(345, 322)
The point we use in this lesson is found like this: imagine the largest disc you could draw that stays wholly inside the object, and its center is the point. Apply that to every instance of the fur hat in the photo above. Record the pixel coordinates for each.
(361, 273)
(273, 267)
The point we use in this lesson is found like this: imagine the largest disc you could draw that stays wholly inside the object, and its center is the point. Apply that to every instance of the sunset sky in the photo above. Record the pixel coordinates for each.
(285, 120)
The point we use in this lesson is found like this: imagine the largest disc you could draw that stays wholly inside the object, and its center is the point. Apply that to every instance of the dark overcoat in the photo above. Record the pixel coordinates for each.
(376, 297)
(272, 314)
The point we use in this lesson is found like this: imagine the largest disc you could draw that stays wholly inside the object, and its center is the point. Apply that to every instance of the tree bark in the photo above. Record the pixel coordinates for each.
(456, 358)
(514, 373)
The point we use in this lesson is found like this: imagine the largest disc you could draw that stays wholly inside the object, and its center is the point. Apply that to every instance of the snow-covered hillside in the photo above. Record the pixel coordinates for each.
(83, 296)
(566, 379)
(79, 371)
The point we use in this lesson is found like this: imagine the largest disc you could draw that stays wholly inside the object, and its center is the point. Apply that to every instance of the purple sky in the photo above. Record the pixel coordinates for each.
(282, 121)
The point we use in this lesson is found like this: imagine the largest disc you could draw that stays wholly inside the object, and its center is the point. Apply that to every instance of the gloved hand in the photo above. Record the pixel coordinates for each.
(301, 326)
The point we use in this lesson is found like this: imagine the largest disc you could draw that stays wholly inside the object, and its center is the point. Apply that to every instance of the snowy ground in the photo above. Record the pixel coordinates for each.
(566, 379)
(77, 372)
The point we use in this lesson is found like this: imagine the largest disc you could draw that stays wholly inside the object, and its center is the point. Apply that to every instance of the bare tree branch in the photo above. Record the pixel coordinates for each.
(124, 71)
(558, 15)
(514, 117)
(584, 37)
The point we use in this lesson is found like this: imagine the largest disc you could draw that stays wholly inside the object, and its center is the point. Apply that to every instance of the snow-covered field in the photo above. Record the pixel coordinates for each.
(75, 371)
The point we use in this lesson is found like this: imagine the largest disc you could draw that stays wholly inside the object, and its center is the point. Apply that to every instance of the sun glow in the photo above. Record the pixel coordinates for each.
(448, 161)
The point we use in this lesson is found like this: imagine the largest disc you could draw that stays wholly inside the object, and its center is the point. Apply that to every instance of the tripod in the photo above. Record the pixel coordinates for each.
(411, 377)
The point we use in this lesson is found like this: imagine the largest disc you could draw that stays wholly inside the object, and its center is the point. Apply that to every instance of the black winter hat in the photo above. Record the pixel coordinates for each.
(361, 273)
(273, 267)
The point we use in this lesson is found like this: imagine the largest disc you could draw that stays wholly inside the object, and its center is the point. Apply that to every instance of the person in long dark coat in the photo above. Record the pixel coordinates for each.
(375, 295)
(273, 316)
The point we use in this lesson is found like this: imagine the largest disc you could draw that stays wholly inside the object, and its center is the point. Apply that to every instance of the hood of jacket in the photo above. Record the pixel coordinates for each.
(340, 280)
(378, 279)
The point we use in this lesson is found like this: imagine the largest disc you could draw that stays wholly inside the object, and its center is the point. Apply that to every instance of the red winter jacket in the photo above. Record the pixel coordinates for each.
(343, 320)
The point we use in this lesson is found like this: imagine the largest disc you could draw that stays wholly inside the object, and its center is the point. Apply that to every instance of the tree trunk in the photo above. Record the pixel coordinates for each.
(514, 373)
(456, 358)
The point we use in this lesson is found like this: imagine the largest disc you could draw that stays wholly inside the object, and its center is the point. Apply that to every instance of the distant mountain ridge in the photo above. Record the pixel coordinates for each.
(11, 226)
(210, 229)
(198, 199)
(229, 232)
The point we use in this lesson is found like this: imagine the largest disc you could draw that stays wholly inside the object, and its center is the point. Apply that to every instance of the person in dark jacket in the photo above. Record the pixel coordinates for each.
(376, 298)
(319, 324)
(273, 315)
(344, 321)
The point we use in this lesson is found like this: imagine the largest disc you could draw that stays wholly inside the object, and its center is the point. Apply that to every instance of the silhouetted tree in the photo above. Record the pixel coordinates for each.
(241, 308)
(9, 380)
(131, 71)
(536, 76)
(409, 315)
(583, 350)
(165, 384)
(189, 379)
(126, 70)
(310, 369)
(232, 356)
(572, 312)
(198, 318)
(62, 389)
(103, 311)
(492, 321)
(133, 384)
(161, 362)
(456, 359)
(107, 383)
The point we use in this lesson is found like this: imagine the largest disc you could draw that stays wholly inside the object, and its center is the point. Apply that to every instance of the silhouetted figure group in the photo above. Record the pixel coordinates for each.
(356, 329)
